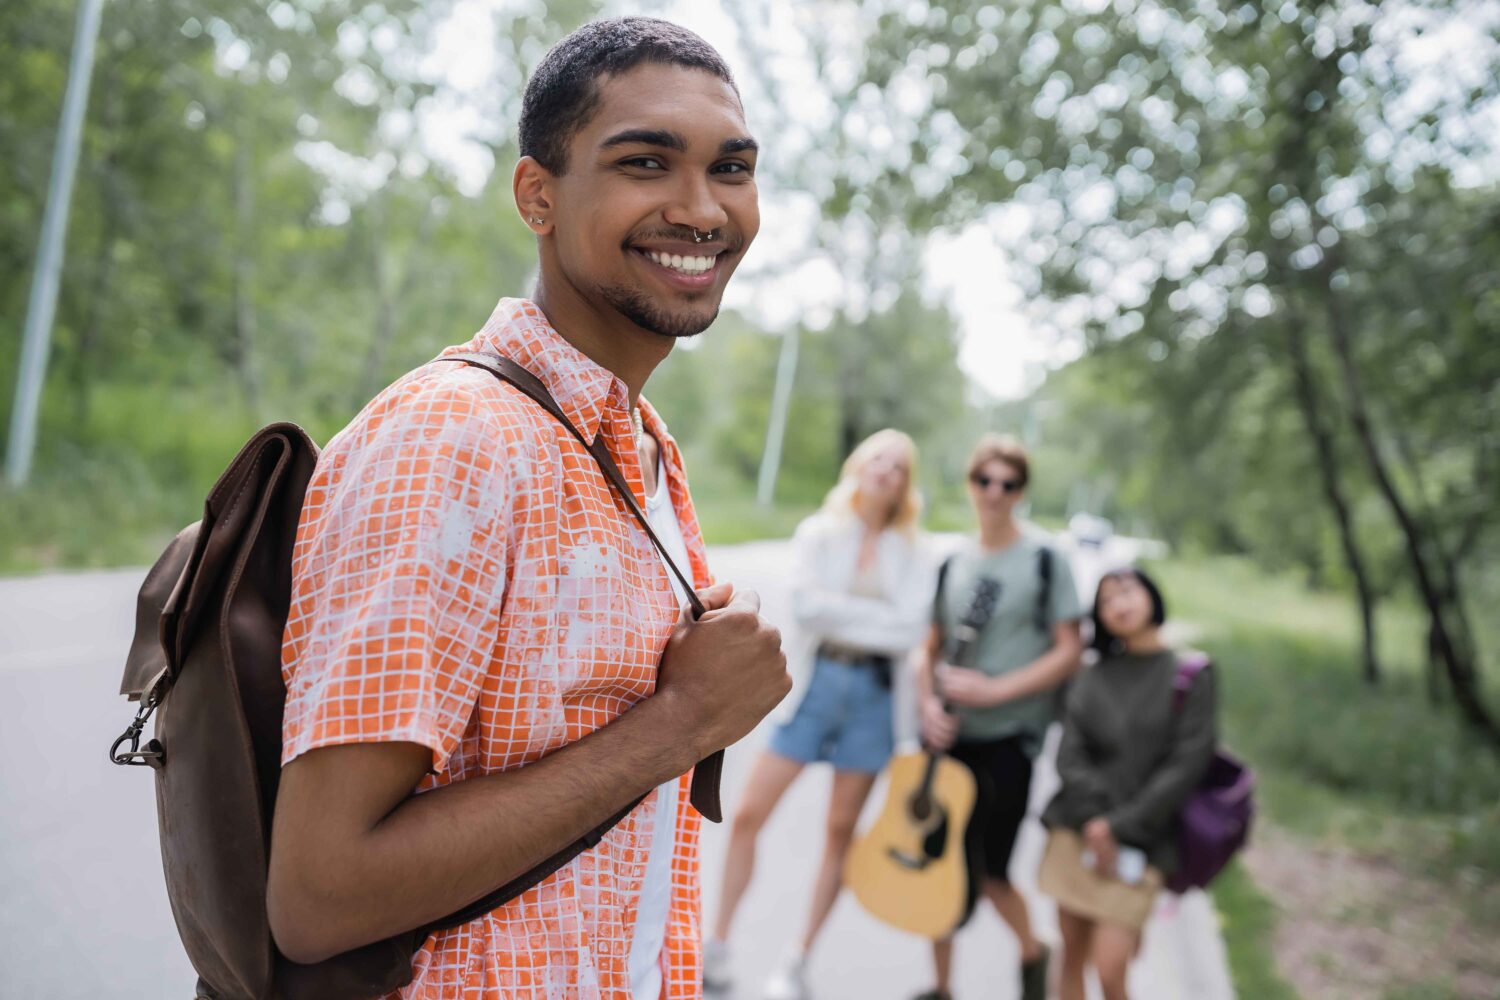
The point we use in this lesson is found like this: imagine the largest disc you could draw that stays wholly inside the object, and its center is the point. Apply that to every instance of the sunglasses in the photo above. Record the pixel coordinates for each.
(985, 482)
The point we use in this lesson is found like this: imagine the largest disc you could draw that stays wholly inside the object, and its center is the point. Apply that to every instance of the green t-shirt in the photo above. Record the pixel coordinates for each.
(1013, 637)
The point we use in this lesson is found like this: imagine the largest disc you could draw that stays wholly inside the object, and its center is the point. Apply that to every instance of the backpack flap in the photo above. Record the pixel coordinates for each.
(206, 663)
(147, 658)
(1214, 822)
(233, 507)
(181, 583)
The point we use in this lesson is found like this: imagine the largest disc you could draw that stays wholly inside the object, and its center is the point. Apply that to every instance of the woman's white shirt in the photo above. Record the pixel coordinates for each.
(826, 550)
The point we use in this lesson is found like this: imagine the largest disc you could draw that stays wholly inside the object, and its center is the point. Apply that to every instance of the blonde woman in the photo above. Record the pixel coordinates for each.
(862, 596)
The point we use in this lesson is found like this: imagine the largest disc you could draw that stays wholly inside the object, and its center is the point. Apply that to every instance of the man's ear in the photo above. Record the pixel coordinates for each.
(532, 186)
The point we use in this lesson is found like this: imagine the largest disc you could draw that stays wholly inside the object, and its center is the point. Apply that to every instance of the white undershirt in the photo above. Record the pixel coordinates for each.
(656, 886)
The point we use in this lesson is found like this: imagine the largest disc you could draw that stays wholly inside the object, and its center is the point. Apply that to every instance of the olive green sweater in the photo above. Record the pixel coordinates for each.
(1128, 756)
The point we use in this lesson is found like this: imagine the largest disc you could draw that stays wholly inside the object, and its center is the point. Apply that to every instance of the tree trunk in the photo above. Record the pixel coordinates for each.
(850, 382)
(85, 363)
(385, 307)
(1445, 556)
(1434, 669)
(242, 347)
(1333, 491)
(88, 340)
(389, 301)
(1444, 605)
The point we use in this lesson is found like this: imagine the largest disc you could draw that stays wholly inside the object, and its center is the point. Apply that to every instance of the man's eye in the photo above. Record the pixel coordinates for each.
(732, 168)
(644, 162)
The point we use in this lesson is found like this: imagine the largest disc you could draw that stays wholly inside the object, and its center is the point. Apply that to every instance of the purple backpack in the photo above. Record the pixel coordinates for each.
(1214, 822)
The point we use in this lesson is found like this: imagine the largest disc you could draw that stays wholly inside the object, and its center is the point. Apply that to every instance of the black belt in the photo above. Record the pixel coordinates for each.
(881, 663)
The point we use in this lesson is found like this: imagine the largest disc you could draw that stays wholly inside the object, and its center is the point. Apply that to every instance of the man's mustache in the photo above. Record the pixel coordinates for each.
(732, 242)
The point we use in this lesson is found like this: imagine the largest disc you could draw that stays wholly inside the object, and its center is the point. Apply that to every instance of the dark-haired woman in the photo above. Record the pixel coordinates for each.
(1131, 754)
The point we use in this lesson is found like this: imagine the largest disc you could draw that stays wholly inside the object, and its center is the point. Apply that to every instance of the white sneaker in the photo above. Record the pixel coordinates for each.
(716, 972)
(790, 981)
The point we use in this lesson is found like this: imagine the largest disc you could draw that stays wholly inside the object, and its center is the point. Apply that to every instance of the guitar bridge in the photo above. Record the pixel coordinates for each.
(907, 861)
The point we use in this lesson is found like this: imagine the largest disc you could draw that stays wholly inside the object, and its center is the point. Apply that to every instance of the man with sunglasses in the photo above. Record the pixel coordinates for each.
(992, 711)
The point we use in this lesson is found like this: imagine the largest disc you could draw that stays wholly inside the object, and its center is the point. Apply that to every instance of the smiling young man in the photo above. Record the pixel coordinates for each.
(476, 618)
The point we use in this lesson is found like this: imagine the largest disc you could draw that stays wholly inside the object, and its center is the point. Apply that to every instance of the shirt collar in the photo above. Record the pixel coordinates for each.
(671, 455)
(583, 388)
(682, 501)
(586, 391)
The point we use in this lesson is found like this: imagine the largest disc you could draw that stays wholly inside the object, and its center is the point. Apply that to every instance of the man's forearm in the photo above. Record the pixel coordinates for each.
(925, 662)
(1042, 674)
(439, 851)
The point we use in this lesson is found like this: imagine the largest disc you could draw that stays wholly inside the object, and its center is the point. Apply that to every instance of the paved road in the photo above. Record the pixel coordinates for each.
(83, 913)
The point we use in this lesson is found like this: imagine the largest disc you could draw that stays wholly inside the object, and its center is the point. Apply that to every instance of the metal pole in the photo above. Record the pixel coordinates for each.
(42, 305)
(781, 401)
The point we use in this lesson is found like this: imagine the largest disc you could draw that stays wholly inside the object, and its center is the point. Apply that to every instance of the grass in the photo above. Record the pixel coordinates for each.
(115, 486)
(1249, 922)
(1379, 771)
(101, 512)
(1293, 703)
(742, 520)
(120, 502)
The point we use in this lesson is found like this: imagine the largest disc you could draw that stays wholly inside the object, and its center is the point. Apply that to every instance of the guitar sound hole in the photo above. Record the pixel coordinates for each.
(921, 808)
(935, 842)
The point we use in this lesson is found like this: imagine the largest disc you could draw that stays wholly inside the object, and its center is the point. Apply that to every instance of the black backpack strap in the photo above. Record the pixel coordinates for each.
(534, 877)
(509, 371)
(704, 793)
(941, 594)
(1044, 593)
(942, 580)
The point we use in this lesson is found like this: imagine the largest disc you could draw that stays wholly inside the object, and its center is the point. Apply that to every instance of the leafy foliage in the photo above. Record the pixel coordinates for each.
(1264, 218)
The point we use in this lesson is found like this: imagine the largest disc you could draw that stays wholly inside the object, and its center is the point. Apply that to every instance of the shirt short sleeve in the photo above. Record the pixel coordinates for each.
(398, 574)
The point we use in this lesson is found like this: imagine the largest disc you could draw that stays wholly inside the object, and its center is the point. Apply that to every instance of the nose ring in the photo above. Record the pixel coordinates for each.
(703, 237)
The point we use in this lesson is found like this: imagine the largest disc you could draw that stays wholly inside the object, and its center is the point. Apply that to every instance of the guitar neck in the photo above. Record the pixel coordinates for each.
(960, 644)
(923, 795)
(958, 655)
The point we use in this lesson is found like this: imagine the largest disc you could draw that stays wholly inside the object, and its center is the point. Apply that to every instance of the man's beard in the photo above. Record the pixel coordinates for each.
(640, 310)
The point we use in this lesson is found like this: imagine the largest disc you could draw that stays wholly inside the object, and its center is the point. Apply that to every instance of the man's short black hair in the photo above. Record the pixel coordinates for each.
(564, 90)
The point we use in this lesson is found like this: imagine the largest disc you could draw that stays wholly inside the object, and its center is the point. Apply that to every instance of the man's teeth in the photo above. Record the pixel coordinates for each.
(677, 262)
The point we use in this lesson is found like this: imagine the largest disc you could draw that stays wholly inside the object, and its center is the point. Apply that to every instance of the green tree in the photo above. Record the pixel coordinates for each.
(1252, 209)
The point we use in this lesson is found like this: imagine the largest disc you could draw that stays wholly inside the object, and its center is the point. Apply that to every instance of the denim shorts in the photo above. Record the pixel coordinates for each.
(844, 718)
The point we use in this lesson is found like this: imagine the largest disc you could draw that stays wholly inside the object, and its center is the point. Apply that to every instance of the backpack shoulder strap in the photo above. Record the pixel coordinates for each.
(509, 371)
(940, 595)
(1189, 666)
(704, 792)
(942, 578)
(1044, 592)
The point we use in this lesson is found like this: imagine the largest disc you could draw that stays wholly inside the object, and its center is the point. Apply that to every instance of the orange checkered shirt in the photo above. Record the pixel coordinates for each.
(464, 578)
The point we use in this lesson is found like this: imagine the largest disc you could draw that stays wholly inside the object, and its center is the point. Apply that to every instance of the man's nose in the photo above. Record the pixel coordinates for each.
(696, 206)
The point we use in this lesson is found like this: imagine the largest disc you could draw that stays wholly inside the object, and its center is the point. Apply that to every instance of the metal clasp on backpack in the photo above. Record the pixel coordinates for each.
(153, 755)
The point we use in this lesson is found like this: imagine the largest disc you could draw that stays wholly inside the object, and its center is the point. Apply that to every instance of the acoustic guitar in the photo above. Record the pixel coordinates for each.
(909, 869)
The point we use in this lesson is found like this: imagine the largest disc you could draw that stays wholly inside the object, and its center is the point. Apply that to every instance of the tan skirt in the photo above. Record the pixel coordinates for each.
(1081, 890)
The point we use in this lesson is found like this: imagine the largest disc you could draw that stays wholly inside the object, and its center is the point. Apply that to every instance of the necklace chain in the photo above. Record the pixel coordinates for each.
(640, 427)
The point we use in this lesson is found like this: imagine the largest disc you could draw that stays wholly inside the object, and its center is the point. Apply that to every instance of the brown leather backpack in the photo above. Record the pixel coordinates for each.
(206, 660)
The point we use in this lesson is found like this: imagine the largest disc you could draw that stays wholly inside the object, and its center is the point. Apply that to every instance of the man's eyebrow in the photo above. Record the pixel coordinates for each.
(744, 144)
(647, 137)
